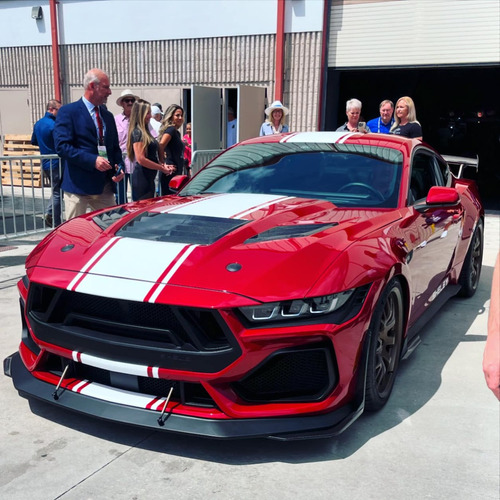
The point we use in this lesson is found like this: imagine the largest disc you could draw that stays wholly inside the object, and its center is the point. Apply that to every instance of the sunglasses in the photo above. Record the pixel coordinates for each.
(129, 100)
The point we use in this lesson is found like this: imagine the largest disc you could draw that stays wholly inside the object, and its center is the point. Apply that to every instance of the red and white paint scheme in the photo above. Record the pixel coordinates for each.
(273, 294)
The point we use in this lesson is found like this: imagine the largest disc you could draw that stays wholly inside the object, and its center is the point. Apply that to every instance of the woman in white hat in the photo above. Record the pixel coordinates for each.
(274, 123)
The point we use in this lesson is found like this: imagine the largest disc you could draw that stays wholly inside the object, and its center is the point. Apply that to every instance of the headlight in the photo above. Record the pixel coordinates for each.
(300, 308)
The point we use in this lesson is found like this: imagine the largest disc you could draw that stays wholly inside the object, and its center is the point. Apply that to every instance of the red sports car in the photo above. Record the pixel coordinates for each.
(273, 295)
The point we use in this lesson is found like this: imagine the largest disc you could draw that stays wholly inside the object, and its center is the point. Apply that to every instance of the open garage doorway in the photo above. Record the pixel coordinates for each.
(458, 108)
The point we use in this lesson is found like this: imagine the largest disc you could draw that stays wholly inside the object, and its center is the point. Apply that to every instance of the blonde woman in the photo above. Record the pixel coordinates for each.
(405, 121)
(275, 121)
(142, 148)
(171, 145)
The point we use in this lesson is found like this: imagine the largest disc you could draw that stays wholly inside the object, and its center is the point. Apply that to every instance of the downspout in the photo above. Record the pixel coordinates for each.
(324, 66)
(55, 49)
(280, 52)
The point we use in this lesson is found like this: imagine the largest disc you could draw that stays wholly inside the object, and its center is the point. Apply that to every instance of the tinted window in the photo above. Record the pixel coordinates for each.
(346, 175)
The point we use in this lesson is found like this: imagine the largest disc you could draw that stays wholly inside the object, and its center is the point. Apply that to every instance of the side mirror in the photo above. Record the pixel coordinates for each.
(440, 196)
(178, 182)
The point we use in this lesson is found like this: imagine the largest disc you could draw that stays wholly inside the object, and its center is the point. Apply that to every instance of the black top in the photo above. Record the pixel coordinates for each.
(411, 130)
(152, 152)
(174, 151)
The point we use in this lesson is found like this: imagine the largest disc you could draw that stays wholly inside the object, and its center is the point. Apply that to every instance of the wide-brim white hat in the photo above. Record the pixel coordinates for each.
(126, 93)
(276, 105)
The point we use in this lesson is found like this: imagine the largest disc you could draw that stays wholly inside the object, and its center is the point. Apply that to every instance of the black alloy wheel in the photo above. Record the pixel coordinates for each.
(471, 270)
(386, 332)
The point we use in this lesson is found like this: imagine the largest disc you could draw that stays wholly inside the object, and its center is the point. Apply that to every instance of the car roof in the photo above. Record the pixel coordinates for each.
(382, 140)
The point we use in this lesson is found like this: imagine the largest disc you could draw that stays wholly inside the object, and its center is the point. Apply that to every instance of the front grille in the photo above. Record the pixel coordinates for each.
(301, 374)
(185, 393)
(129, 331)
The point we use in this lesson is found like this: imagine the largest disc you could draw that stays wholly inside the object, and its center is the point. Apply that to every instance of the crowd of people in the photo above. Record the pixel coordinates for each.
(141, 148)
(400, 120)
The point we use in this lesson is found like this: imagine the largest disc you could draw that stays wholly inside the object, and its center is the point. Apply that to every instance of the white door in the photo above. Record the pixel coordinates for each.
(15, 112)
(206, 113)
(250, 113)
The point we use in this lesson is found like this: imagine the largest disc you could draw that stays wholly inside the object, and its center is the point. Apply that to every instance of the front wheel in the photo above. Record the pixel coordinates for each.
(471, 270)
(386, 331)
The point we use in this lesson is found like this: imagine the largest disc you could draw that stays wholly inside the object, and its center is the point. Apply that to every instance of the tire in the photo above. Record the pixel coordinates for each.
(471, 269)
(386, 335)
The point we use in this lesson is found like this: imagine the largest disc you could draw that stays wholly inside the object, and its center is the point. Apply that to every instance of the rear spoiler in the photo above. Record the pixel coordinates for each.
(460, 163)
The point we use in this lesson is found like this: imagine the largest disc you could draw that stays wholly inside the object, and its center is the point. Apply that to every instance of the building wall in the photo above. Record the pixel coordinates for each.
(220, 61)
(114, 21)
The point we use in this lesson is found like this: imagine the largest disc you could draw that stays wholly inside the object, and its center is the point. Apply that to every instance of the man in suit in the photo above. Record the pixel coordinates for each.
(86, 139)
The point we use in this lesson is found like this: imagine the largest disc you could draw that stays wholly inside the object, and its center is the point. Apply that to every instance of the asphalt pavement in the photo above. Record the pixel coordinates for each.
(437, 438)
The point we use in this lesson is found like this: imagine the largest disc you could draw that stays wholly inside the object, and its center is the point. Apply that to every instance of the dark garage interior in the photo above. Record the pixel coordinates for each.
(458, 108)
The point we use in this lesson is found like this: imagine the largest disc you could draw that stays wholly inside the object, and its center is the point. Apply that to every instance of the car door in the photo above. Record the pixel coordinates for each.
(432, 235)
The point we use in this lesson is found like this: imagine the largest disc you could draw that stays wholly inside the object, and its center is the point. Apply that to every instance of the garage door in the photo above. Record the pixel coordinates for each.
(381, 33)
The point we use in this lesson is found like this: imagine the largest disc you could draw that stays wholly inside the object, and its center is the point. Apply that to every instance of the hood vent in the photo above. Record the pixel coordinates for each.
(287, 232)
(108, 218)
(177, 228)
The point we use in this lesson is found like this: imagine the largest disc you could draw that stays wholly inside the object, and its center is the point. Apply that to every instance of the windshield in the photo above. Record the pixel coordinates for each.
(347, 175)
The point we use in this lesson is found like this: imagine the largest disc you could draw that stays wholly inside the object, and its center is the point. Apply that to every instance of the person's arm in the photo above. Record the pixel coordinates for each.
(34, 140)
(417, 133)
(144, 161)
(491, 358)
(164, 140)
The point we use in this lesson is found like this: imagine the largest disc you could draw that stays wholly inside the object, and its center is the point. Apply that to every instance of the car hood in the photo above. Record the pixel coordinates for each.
(256, 247)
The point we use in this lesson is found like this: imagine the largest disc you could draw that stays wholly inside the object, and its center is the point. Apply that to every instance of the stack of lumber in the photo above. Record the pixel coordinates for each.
(20, 172)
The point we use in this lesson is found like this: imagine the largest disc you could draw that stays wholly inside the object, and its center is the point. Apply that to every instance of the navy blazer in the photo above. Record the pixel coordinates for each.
(75, 139)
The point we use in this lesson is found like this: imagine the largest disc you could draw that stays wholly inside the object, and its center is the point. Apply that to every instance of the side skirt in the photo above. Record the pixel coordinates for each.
(412, 338)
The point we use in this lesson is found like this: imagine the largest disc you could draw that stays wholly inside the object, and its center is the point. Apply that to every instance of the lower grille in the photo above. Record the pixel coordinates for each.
(185, 393)
(305, 374)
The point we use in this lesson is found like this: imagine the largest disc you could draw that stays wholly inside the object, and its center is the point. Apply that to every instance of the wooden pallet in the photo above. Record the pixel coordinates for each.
(25, 172)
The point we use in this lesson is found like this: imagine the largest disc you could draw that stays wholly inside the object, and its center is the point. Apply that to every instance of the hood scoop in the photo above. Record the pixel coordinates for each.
(287, 232)
(179, 228)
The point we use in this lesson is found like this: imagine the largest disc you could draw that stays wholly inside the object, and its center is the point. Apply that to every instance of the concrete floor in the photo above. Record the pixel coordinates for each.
(437, 438)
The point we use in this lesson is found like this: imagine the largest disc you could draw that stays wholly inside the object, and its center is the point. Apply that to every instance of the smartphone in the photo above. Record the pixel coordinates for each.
(119, 171)
(361, 126)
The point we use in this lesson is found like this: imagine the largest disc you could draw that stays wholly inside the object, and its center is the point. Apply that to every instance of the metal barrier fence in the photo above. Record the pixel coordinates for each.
(25, 194)
(26, 191)
(201, 158)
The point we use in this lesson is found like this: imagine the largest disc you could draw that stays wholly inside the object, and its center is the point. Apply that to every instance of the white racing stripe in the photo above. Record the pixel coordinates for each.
(319, 137)
(112, 277)
(136, 269)
(115, 366)
(114, 395)
(227, 206)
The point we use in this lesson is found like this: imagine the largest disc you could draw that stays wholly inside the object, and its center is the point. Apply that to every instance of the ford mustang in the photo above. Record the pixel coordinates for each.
(274, 294)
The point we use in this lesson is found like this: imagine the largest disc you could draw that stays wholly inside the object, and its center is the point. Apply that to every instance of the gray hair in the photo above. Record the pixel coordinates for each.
(353, 104)
(92, 76)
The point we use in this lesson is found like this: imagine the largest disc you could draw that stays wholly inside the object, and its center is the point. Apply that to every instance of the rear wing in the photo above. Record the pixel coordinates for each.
(458, 165)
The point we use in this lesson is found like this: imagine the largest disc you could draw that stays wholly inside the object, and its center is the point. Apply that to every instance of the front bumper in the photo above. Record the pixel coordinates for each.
(283, 428)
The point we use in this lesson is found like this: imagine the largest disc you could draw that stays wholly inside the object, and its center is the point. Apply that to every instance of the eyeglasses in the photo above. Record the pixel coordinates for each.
(129, 100)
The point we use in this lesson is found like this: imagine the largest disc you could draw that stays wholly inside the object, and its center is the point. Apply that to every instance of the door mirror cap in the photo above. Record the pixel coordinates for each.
(439, 196)
(178, 182)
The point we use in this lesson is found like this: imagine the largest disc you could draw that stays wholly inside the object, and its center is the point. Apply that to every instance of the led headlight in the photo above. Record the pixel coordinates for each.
(299, 308)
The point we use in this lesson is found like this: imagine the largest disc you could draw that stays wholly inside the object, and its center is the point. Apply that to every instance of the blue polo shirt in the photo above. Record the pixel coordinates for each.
(377, 125)
(43, 138)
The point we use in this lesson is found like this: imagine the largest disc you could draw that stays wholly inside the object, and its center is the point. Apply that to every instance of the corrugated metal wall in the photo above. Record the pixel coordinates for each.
(224, 61)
